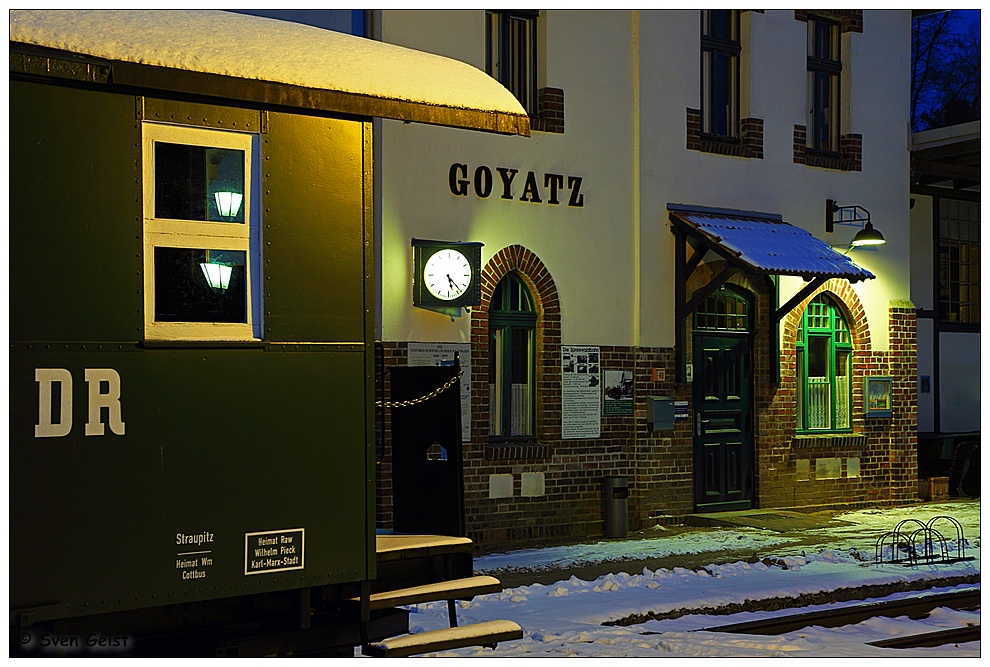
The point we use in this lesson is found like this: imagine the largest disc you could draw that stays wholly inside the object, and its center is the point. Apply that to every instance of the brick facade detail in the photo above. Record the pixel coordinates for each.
(549, 111)
(849, 157)
(850, 20)
(877, 461)
(749, 144)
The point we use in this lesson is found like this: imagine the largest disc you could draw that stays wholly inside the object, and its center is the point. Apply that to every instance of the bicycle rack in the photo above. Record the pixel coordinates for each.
(913, 542)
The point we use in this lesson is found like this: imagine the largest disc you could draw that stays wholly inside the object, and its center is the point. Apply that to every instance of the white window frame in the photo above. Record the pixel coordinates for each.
(162, 232)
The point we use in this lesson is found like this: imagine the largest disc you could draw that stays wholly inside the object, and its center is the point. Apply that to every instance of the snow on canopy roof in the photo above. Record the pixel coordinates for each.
(263, 49)
(767, 244)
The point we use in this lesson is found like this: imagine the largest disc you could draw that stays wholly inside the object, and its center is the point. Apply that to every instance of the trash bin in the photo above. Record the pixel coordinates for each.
(615, 501)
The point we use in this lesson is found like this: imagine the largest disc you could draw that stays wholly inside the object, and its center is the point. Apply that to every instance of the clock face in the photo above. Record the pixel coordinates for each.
(447, 274)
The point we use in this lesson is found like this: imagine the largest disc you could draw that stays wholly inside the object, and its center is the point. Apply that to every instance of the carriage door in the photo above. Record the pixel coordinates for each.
(723, 400)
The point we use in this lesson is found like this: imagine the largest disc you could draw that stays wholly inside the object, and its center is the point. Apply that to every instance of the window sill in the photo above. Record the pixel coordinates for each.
(512, 451)
(154, 343)
(830, 441)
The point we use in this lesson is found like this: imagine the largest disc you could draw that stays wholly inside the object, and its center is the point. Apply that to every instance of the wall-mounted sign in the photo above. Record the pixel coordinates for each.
(879, 391)
(439, 354)
(274, 551)
(581, 410)
(509, 183)
(617, 392)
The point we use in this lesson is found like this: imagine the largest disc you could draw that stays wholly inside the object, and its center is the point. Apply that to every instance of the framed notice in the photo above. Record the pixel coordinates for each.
(581, 409)
(442, 354)
(878, 394)
(617, 392)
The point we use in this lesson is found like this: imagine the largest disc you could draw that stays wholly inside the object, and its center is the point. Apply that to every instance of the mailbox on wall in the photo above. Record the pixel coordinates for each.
(660, 412)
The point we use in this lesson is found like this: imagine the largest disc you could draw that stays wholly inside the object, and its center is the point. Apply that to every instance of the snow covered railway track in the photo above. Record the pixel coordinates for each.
(917, 606)
(938, 638)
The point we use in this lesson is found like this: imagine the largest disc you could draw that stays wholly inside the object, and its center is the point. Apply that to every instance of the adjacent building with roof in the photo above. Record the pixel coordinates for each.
(670, 317)
(945, 286)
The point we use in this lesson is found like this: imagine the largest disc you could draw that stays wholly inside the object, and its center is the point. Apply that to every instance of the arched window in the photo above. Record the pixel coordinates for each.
(824, 368)
(512, 355)
(725, 310)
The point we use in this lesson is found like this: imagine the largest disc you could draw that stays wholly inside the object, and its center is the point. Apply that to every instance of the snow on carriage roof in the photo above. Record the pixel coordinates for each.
(257, 48)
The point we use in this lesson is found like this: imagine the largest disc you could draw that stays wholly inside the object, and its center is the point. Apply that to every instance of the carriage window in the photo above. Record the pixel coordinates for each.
(199, 183)
(201, 277)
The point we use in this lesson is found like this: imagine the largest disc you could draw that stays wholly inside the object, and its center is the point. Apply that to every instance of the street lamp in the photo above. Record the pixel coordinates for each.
(852, 216)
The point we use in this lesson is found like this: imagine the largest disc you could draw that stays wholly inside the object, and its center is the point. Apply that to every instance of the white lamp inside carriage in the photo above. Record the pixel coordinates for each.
(228, 206)
(217, 275)
(228, 203)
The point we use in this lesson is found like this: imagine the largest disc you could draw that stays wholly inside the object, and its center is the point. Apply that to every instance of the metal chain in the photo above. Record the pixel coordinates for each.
(416, 401)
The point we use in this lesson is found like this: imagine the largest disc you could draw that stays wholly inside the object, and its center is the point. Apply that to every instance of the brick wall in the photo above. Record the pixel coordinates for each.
(749, 144)
(549, 111)
(658, 464)
(884, 448)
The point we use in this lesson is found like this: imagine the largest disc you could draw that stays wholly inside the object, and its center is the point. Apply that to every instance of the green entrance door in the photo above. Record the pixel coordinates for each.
(723, 400)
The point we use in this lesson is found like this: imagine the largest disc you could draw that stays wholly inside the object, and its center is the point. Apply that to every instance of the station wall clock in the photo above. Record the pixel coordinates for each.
(446, 274)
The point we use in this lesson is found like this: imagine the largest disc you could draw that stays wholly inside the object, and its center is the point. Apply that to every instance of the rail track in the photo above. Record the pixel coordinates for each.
(914, 607)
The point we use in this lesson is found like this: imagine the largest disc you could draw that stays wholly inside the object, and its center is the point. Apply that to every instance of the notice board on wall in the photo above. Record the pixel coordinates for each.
(441, 354)
(581, 409)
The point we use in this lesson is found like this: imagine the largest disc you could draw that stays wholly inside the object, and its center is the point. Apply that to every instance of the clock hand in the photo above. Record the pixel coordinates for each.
(452, 283)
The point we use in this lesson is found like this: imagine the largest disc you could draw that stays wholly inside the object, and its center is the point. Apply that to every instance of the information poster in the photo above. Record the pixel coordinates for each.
(618, 392)
(441, 354)
(581, 392)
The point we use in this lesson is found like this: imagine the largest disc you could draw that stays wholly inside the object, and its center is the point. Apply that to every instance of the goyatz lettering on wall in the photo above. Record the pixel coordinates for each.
(553, 187)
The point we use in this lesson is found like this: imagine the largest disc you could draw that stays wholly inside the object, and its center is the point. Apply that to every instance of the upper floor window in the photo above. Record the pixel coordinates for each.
(824, 368)
(959, 261)
(201, 238)
(510, 41)
(720, 49)
(512, 360)
(824, 77)
(350, 21)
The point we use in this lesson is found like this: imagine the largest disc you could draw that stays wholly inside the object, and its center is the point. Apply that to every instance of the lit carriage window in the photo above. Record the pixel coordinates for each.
(194, 285)
(199, 183)
(202, 279)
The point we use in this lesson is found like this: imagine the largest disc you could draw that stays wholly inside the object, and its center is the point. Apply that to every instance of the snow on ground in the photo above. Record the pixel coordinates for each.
(565, 618)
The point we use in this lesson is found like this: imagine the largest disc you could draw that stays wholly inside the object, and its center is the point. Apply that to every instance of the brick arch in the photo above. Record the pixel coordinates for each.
(848, 301)
(534, 273)
(852, 308)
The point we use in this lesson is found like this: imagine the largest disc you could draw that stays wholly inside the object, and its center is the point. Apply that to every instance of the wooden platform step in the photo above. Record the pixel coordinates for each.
(454, 589)
(488, 633)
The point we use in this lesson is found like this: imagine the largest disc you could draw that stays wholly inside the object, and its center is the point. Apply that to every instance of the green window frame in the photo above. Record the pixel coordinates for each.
(512, 321)
(724, 310)
(824, 353)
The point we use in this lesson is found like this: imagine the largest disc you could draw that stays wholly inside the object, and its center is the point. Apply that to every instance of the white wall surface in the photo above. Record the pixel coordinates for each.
(592, 252)
(586, 249)
(959, 393)
(878, 76)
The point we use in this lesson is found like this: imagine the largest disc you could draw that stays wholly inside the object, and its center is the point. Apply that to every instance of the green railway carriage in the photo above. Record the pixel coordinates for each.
(191, 328)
